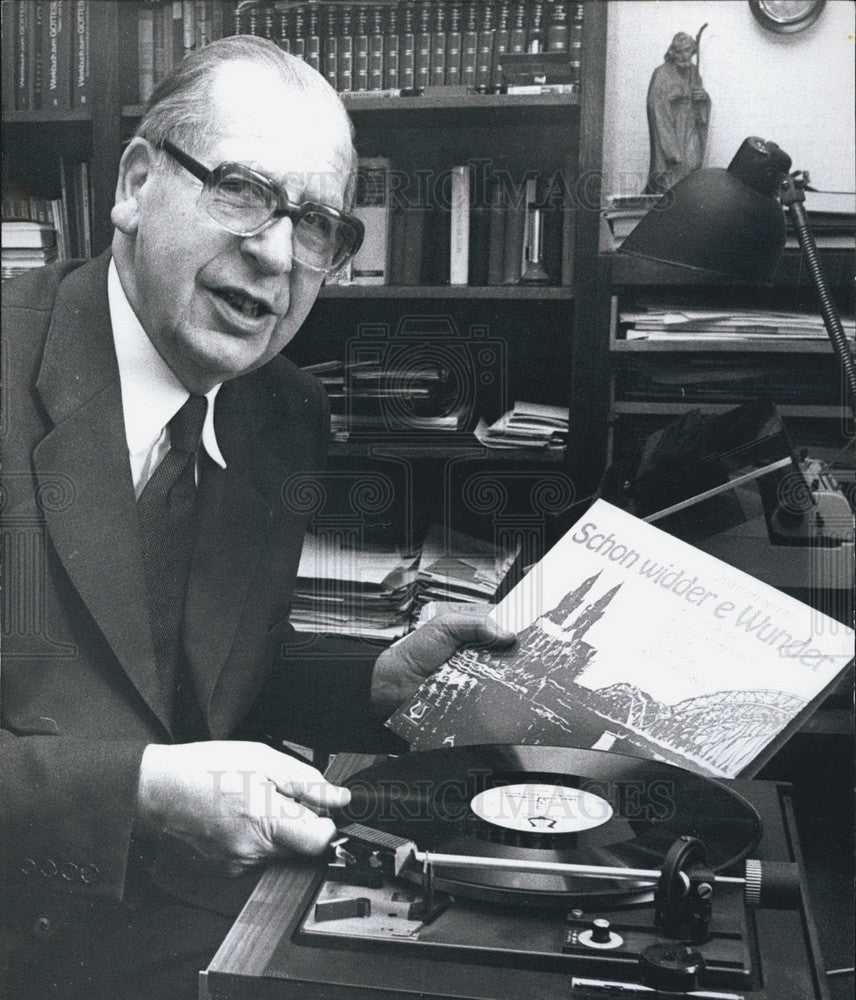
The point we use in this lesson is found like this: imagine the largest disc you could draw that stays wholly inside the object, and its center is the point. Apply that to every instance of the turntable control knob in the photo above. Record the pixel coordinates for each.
(600, 932)
(673, 967)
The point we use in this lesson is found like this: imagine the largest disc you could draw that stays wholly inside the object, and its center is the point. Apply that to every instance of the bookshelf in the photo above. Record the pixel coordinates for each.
(539, 331)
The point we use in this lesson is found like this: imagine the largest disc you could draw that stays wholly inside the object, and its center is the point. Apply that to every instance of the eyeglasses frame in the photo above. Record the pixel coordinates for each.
(284, 207)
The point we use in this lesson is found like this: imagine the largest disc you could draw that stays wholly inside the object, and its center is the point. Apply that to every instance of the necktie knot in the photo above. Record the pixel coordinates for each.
(185, 428)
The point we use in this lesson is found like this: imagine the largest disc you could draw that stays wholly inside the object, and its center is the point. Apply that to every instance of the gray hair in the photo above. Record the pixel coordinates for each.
(179, 109)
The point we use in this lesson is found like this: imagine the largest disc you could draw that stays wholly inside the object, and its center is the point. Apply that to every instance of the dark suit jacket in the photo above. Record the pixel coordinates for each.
(80, 696)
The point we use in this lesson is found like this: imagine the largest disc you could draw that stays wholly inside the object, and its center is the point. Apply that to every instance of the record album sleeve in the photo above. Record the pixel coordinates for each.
(629, 639)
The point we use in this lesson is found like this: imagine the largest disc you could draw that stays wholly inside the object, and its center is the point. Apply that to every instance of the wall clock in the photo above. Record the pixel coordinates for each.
(786, 16)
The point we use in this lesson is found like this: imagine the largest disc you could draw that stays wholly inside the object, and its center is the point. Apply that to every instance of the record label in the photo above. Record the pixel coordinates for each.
(530, 807)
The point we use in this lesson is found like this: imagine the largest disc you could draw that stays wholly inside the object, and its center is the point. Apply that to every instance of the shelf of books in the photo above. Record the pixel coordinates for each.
(530, 292)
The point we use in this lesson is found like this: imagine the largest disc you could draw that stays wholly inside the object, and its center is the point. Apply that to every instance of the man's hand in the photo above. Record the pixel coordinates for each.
(400, 669)
(235, 804)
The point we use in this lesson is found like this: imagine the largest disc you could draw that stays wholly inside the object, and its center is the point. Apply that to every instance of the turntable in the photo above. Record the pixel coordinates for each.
(508, 871)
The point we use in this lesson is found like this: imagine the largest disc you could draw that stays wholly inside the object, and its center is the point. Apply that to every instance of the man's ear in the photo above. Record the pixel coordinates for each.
(135, 167)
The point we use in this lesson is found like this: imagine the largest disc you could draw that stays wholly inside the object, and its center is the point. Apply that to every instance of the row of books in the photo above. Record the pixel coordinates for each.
(375, 591)
(364, 47)
(45, 54)
(471, 225)
(38, 229)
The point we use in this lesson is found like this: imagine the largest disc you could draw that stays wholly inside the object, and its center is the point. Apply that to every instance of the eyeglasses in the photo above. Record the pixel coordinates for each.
(245, 202)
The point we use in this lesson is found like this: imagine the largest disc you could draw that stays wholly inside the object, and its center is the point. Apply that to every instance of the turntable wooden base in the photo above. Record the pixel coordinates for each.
(264, 956)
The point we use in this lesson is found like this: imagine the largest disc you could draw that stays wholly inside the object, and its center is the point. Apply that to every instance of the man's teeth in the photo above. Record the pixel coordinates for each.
(243, 303)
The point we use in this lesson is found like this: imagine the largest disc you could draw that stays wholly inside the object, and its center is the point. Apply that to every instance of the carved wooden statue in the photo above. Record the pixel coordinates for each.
(678, 115)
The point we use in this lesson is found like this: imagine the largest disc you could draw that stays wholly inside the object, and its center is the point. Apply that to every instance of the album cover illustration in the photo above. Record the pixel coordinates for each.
(634, 641)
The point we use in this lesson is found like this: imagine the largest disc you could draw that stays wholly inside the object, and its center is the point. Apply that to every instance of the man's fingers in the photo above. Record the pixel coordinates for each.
(299, 829)
(303, 783)
(433, 643)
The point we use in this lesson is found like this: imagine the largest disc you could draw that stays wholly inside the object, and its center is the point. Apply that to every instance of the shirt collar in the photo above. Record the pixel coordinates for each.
(151, 392)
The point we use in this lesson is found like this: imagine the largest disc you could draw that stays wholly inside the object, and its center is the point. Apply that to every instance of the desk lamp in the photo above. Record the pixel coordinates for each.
(732, 222)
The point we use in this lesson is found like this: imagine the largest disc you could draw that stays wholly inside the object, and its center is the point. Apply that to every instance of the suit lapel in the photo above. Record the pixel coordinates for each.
(97, 536)
(263, 439)
(234, 524)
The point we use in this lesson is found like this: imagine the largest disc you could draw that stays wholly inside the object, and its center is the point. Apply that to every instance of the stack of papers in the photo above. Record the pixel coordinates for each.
(366, 591)
(26, 244)
(533, 426)
(367, 397)
(457, 567)
(653, 323)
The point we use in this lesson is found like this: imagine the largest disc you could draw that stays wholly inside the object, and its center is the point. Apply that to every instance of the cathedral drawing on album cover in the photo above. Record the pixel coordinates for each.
(538, 688)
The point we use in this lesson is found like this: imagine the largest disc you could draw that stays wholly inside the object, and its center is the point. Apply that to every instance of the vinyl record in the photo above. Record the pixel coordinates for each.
(548, 804)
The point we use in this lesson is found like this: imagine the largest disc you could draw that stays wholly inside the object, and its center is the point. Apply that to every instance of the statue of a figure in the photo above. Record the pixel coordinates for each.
(678, 115)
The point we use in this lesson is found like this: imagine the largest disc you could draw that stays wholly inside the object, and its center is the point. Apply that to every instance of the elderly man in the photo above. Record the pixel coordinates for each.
(153, 429)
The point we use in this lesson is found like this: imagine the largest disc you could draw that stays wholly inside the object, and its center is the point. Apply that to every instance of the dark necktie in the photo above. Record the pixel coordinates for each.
(165, 509)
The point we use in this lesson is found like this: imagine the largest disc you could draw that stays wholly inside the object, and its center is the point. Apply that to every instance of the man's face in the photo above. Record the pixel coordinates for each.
(216, 305)
(684, 55)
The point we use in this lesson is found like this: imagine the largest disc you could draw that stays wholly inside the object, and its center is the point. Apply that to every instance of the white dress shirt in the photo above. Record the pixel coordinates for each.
(151, 392)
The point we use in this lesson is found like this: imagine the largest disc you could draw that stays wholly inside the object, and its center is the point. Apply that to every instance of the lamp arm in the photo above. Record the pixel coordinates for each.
(793, 198)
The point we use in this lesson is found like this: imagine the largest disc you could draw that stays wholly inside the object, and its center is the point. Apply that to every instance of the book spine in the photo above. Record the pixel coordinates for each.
(58, 221)
(57, 82)
(422, 76)
(218, 20)
(345, 72)
(535, 34)
(453, 44)
(312, 47)
(162, 35)
(176, 49)
(188, 27)
(391, 49)
(439, 40)
(496, 234)
(370, 266)
(85, 210)
(407, 47)
(558, 28)
(514, 199)
(501, 43)
(330, 45)
(575, 41)
(517, 35)
(459, 254)
(238, 26)
(479, 223)
(66, 210)
(484, 51)
(81, 89)
(253, 24)
(202, 16)
(377, 47)
(284, 29)
(23, 54)
(40, 54)
(469, 47)
(146, 51)
(7, 56)
(268, 28)
(297, 33)
(361, 49)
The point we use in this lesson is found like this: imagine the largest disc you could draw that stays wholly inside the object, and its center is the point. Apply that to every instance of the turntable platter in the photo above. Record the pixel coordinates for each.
(551, 804)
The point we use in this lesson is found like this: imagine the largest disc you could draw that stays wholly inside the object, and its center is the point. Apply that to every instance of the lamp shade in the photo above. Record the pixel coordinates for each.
(713, 221)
